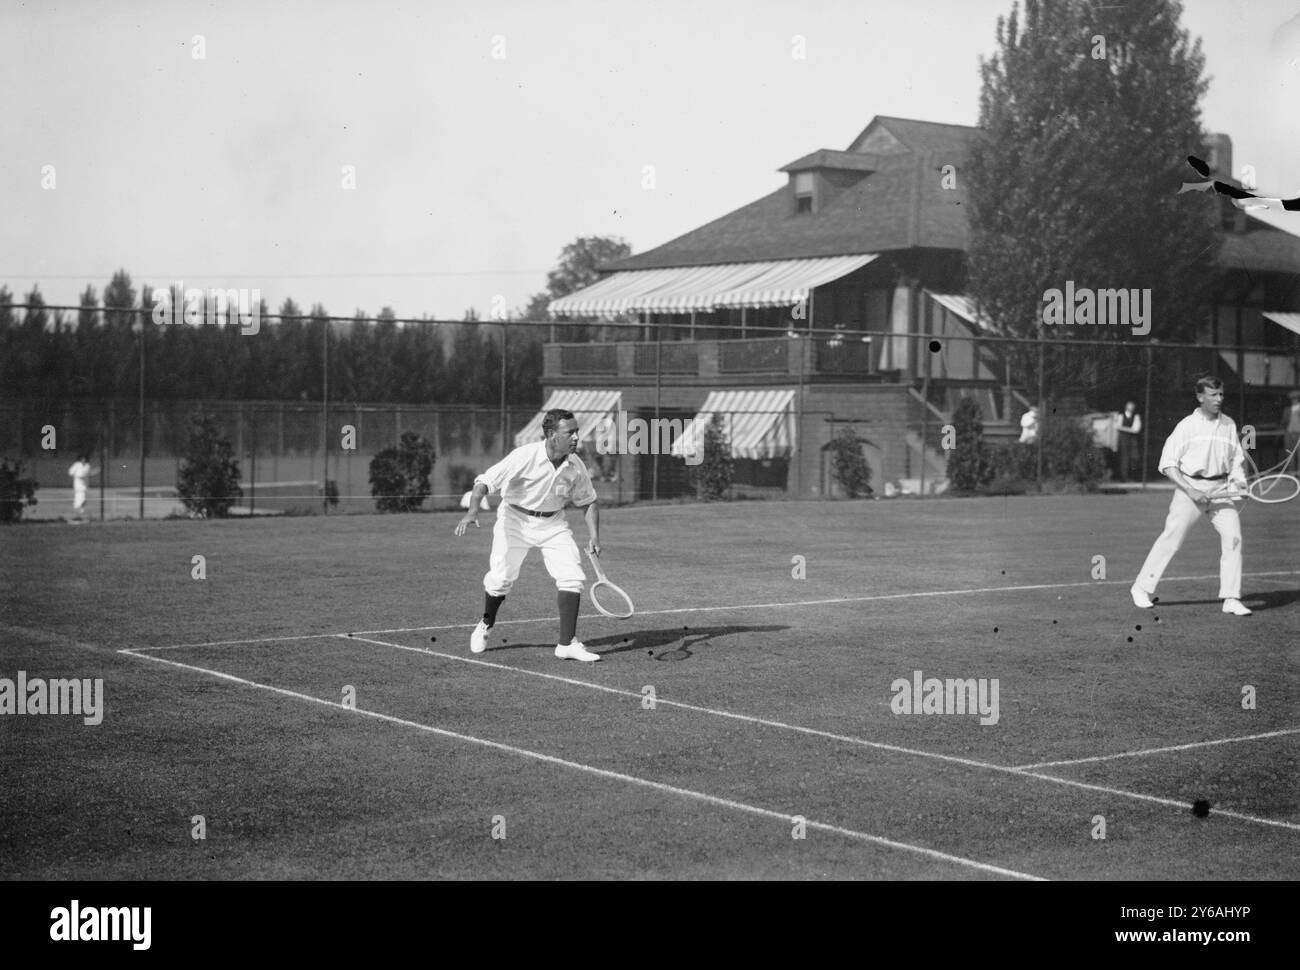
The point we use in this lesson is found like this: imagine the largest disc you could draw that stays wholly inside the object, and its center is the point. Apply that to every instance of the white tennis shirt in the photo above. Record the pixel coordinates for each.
(526, 478)
(79, 472)
(1205, 446)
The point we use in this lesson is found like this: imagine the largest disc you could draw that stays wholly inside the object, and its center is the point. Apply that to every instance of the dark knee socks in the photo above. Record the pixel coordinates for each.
(568, 615)
(490, 606)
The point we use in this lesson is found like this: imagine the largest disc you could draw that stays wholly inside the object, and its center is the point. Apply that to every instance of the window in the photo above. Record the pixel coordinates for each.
(803, 192)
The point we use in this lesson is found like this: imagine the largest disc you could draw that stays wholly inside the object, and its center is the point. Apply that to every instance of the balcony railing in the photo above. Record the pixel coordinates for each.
(675, 357)
(589, 358)
(777, 356)
(844, 356)
(770, 356)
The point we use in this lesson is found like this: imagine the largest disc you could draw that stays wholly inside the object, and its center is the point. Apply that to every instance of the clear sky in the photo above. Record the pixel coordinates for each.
(484, 135)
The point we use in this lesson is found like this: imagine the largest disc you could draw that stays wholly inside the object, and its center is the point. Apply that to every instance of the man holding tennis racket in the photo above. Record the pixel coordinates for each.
(536, 482)
(1200, 457)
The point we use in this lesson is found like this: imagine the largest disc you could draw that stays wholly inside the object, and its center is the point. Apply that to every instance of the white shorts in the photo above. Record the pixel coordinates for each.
(515, 534)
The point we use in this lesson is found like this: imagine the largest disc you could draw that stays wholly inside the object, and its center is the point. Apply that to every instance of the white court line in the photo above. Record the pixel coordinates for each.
(838, 599)
(605, 773)
(704, 609)
(848, 739)
(231, 643)
(1147, 751)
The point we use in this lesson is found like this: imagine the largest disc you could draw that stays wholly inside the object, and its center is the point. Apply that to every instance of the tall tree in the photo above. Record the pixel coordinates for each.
(579, 261)
(577, 269)
(35, 317)
(119, 296)
(6, 308)
(465, 368)
(1089, 111)
(88, 314)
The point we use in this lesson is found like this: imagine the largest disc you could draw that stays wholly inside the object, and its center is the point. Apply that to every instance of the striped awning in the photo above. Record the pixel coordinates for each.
(790, 281)
(758, 424)
(1289, 320)
(963, 306)
(685, 289)
(588, 407)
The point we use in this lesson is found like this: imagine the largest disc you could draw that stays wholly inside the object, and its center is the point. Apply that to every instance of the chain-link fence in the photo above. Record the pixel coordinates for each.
(286, 452)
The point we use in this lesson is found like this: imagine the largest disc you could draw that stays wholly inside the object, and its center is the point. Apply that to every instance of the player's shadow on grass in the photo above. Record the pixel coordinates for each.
(684, 641)
(1260, 601)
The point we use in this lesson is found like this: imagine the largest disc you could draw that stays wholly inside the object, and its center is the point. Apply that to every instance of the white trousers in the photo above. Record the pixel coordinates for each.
(515, 534)
(1183, 514)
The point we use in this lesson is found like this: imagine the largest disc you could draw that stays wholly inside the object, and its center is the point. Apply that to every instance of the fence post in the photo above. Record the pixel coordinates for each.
(252, 468)
(1042, 411)
(1146, 409)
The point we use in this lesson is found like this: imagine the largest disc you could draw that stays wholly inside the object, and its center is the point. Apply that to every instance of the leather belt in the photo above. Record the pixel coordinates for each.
(1209, 478)
(544, 515)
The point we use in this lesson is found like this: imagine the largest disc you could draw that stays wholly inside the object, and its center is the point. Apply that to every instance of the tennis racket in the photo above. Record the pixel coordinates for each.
(1269, 489)
(603, 581)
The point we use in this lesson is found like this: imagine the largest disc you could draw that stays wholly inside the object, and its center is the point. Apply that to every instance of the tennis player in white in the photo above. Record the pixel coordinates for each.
(1200, 456)
(79, 472)
(536, 482)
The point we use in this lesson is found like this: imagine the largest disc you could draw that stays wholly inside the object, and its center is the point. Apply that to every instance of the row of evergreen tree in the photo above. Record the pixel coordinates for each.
(94, 353)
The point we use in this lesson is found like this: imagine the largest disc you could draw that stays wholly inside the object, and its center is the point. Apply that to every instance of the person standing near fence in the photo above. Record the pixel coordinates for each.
(1029, 427)
(79, 472)
(1129, 427)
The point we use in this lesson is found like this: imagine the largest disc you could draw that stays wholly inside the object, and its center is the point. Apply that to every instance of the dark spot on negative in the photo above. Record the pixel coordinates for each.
(935, 346)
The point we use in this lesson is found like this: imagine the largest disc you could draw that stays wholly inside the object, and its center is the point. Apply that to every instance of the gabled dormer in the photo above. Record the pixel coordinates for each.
(816, 179)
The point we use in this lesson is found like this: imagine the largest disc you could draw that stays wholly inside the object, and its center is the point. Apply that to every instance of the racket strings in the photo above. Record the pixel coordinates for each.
(1260, 484)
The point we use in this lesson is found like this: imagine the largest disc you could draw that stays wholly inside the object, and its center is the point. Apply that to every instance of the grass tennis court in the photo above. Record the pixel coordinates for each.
(771, 714)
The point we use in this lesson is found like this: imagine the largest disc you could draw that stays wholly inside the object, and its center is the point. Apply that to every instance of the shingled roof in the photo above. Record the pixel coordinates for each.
(896, 202)
(1261, 247)
(888, 196)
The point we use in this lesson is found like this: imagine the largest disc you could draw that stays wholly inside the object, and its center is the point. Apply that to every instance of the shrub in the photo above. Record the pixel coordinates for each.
(208, 480)
(966, 462)
(849, 465)
(16, 492)
(714, 474)
(1071, 461)
(399, 477)
(1009, 461)
(1069, 453)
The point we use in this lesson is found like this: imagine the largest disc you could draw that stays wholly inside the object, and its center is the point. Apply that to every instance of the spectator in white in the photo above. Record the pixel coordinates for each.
(1029, 427)
(1129, 427)
(79, 472)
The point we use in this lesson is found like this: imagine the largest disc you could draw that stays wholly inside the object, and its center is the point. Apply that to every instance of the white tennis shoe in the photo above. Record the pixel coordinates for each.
(1140, 597)
(1236, 608)
(478, 639)
(575, 651)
